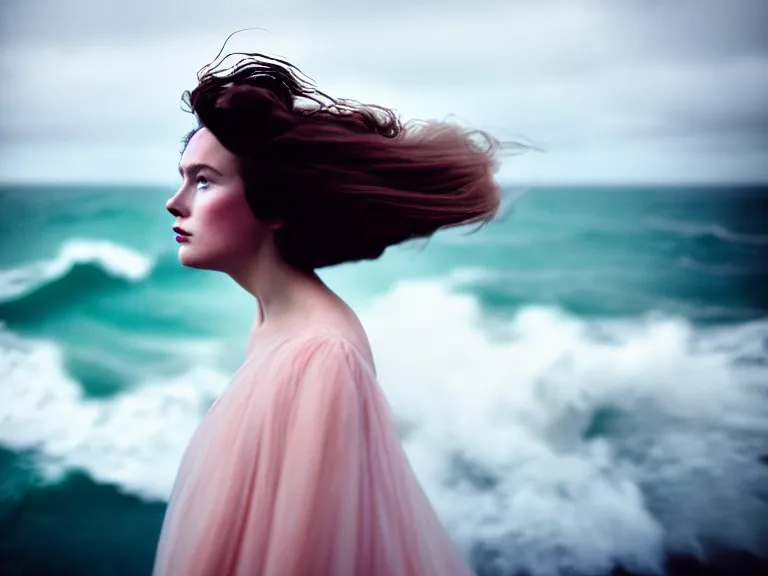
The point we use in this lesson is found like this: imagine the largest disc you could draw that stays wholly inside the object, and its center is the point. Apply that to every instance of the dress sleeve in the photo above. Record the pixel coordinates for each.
(347, 502)
(315, 522)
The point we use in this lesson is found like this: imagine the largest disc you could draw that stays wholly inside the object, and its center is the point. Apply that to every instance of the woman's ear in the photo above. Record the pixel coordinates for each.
(275, 224)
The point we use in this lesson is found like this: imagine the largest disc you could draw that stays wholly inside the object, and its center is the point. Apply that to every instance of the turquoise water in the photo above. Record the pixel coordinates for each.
(581, 385)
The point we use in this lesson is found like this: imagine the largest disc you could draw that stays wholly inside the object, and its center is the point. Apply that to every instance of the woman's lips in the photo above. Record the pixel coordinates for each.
(181, 234)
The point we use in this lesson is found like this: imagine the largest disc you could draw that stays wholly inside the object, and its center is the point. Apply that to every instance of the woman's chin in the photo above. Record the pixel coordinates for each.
(187, 258)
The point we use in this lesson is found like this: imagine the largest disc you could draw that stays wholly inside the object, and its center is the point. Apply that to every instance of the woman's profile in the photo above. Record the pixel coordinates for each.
(297, 468)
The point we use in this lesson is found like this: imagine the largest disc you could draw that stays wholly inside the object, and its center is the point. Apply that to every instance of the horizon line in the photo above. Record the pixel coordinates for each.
(575, 183)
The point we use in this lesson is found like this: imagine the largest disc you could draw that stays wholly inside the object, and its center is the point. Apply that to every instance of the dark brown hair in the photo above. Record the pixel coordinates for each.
(346, 180)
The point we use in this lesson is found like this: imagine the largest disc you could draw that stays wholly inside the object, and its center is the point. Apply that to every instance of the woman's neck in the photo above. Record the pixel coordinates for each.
(281, 291)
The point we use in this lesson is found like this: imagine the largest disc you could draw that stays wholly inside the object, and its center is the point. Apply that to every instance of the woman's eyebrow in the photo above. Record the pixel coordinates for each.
(192, 168)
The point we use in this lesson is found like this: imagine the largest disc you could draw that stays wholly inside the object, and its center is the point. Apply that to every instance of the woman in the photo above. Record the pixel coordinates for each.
(297, 468)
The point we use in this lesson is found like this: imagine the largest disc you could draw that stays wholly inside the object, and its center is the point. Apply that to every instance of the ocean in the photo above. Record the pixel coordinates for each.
(581, 386)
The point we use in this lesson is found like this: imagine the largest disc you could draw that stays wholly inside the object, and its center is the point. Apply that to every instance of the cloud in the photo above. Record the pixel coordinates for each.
(583, 79)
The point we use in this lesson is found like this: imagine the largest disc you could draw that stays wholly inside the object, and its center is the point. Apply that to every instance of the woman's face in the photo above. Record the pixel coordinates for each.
(223, 233)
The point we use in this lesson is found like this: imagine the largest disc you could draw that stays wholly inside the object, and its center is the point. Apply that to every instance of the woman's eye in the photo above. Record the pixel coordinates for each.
(202, 182)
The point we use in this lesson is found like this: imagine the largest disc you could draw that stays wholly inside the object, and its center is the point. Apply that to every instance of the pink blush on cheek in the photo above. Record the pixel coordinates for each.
(227, 218)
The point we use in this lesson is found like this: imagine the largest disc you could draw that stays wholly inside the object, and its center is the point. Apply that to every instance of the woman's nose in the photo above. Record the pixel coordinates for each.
(174, 206)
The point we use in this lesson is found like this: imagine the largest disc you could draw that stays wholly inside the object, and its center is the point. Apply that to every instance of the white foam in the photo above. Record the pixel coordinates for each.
(116, 260)
(134, 440)
(702, 229)
(518, 408)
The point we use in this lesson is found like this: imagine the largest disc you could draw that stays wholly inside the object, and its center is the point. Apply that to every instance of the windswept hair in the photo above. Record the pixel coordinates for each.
(346, 180)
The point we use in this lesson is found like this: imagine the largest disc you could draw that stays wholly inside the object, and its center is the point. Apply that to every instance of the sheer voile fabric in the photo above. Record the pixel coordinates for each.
(297, 470)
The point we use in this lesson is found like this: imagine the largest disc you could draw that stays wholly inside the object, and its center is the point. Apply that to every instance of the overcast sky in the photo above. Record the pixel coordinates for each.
(613, 90)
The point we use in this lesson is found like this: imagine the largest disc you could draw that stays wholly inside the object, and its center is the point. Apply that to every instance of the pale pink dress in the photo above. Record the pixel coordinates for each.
(297, 470)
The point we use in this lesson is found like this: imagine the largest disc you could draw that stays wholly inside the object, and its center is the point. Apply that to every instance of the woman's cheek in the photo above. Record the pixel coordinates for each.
(230, 217)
